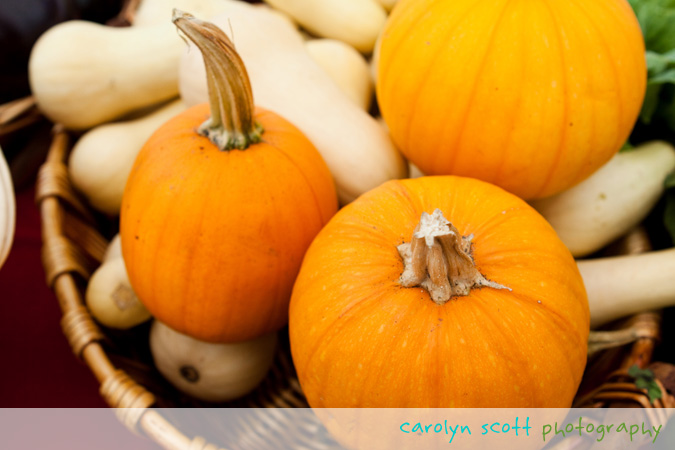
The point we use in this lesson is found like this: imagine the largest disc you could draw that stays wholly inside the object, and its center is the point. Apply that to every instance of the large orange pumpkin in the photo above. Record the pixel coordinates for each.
(216, 219)
(488, 310)
(533, 96)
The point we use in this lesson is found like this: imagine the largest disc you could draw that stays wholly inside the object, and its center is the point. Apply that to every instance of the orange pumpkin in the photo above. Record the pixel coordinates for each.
(530, 96)
(394, 307)
(216, 218)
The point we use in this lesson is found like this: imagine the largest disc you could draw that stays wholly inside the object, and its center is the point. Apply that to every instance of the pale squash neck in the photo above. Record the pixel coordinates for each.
(438, 258)
(232, 124)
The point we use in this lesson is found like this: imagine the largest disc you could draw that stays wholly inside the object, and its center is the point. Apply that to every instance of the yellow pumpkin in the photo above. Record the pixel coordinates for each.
(533, 96)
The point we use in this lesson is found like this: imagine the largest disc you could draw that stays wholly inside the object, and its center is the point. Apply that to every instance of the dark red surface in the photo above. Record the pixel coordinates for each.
(39, 370)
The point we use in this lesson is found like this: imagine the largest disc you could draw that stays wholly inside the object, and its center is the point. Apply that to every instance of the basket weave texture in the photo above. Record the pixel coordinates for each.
(73, 247)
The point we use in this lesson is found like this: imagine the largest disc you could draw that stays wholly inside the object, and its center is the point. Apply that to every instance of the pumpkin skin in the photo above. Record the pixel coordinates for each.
(213, 239)
(360, 339)
(530, 96)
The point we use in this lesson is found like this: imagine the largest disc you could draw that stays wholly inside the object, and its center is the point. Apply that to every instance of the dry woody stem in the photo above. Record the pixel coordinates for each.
(231, 125)
(439, 259)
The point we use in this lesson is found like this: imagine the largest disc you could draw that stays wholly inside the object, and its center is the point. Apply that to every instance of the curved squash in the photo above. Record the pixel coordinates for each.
(286, 80)
(356, 22)
(610, 202)
(102, 158)
(7, 210)
(111, 299)
(83, 74)
(152, 12)
(207, 371)
(347, 67)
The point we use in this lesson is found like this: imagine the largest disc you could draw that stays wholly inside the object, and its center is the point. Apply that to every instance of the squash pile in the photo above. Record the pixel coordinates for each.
(227, 160)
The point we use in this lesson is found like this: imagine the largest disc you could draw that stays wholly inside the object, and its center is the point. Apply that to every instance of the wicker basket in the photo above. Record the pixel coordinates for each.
(73, 247)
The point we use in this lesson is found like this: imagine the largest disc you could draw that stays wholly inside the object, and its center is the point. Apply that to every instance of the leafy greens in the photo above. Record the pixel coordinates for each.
(657, 21)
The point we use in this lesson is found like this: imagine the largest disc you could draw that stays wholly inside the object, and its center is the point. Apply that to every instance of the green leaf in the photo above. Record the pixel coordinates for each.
(670, 181)
(654, 393)
(657, 116)
(657, 20)
(637, 373)
(651, 103)
(642, 383)
(657, 62)
(667, 76)
(669, 214)
(644, 379)
(627, 147)
(666, 108)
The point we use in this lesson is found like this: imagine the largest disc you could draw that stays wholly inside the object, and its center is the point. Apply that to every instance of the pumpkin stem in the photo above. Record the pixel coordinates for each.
(439, 259)
(231, 125)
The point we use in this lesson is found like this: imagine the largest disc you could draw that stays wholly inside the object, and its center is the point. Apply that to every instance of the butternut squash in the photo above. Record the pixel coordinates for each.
(83, 74)
(415, 172)
(613, 200)
(111, 299)
(211, 372)
(286, 80)
(347, 67)
(356, 22)
(114, 249)
(623, 285)
(152, 12)
(7, 210)
(102, 158)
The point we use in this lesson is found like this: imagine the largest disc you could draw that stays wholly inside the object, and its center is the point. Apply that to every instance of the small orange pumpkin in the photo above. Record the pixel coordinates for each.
(530, 96)
(393, 311)
(221, 206)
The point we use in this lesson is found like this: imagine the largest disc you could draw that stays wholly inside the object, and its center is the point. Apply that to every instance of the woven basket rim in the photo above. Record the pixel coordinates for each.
(66, 262)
